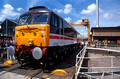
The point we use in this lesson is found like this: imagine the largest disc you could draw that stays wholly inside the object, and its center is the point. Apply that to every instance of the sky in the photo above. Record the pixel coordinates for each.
(71, 10)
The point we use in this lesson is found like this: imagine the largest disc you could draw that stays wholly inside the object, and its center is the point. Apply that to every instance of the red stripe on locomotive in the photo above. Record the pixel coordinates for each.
(60, 37)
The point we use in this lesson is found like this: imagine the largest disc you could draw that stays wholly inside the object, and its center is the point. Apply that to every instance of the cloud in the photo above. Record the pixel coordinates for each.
(118, 13)
(85, 35)
(90, 9)
(107, 16)
(68, 19)
(8, 11)
(2, 16)
(58, 10)
(78, 21)
(83, 17)
(82, 30)
(68, 8)
(19, 9)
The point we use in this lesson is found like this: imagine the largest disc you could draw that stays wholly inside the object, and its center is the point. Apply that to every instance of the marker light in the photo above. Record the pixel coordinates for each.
(35, 33)
(23, 34)
(17, 31)
(30, 42)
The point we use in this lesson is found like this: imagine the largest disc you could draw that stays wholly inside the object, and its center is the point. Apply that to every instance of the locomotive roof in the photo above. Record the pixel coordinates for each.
(37, 9)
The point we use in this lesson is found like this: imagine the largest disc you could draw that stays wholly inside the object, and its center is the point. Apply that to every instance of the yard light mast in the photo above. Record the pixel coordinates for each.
(97, 14)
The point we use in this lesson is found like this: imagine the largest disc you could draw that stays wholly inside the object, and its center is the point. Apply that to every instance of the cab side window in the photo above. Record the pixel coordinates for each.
(60, 26)
(54, 24)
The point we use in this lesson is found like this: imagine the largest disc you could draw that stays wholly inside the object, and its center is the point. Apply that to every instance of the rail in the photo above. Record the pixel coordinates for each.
(79, 60)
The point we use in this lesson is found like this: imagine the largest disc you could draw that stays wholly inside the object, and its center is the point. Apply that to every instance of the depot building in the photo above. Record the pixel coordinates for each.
(106, 35)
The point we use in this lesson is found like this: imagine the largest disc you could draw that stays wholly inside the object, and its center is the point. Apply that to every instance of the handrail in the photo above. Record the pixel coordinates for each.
(79, 61)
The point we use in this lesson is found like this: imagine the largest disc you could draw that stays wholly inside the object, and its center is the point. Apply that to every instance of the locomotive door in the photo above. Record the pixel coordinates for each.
(61, 32)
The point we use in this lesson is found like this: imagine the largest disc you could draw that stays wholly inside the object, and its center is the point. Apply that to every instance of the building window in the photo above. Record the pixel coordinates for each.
(100, 34)
(111, 34)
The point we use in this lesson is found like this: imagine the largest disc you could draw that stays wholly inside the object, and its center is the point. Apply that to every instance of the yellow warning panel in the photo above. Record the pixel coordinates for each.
(59, 72)
(8, 63)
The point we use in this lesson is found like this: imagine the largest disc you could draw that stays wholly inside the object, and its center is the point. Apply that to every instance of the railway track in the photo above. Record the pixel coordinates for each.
(36, 73)
(6, 69)
(16, 69)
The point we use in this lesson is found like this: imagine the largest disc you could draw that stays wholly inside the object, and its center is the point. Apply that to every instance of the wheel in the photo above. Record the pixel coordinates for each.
(20, 59)
(50, 61)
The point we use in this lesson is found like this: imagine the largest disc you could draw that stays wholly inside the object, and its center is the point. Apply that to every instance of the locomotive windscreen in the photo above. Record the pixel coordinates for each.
(34, 18)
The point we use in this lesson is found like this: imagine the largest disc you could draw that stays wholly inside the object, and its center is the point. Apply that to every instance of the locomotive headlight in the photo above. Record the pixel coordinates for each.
(37, 53)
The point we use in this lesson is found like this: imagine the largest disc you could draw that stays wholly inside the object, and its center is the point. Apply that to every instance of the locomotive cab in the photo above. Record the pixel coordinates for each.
(33, 29)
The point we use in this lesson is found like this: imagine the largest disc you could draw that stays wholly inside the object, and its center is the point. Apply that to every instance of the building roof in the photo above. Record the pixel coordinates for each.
(104, 28)
(14, 21)
(0, 22)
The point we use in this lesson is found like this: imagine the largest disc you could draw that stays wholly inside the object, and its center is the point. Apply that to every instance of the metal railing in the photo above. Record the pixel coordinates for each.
(102, 71)
(79, 60)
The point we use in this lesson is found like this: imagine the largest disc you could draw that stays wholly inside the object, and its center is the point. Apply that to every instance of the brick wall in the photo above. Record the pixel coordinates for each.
(106, 32)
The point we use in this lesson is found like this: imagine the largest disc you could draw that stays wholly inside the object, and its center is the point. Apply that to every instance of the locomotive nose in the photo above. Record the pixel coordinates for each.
(37, 53)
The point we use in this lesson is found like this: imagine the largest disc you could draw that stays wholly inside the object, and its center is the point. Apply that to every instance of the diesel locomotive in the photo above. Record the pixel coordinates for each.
(43, 37)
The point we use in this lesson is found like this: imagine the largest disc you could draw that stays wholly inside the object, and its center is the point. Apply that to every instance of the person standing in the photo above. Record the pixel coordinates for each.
(1, 55)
